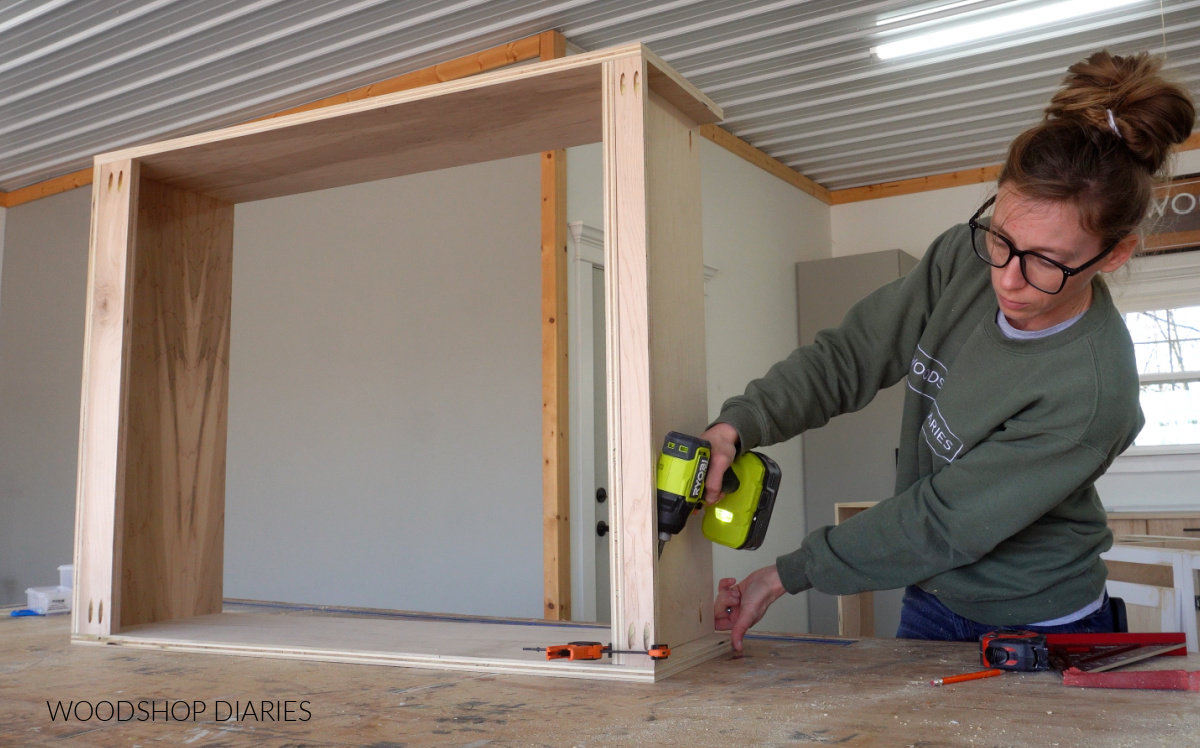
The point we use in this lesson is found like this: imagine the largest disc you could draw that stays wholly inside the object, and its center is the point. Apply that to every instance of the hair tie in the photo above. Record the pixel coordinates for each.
(1112, 124)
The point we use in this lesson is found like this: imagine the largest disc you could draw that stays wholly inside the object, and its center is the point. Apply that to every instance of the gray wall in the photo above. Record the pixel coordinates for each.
(3, 217)
(385, 395)
(385, 421)
(42, 299)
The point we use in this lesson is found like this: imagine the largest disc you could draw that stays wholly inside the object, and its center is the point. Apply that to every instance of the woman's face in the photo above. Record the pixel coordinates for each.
(1052, 229)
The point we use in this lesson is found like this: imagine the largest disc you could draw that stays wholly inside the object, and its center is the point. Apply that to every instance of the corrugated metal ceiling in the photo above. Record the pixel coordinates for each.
(797, 78)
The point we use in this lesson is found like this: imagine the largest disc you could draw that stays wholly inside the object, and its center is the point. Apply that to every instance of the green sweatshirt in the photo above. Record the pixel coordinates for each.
(1001, 442)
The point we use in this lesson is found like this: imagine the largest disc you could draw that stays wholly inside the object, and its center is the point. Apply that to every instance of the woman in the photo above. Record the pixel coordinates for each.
(1021, 385)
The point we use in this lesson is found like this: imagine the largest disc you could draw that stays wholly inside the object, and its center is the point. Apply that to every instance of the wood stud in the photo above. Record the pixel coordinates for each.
(556, 462)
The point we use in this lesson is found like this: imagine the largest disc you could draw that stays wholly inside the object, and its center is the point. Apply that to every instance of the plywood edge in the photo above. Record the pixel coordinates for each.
(762, 160)
(425, 662)
(630, 468)
(691, 654)
(533, 70)
(669, 84)
(682, 658)
(286, 607)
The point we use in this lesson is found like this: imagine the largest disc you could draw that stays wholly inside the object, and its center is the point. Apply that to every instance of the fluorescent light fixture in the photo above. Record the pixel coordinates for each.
(886, 20)
(996, 26)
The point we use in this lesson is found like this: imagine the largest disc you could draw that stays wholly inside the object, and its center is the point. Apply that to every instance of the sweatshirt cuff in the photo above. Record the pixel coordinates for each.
(791, 570)
(744, 420)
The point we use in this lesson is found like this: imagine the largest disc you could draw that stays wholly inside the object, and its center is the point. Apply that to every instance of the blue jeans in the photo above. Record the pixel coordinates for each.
(924, 617)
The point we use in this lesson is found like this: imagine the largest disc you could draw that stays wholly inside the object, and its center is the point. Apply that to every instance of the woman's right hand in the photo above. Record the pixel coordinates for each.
(723, 438)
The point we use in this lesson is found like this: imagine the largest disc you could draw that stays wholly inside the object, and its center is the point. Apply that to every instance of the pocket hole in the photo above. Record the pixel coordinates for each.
(110, 180)
(100, 615)
(622, 83)
(120, 178)
(689, 140)
(637, 79)
(89, 601)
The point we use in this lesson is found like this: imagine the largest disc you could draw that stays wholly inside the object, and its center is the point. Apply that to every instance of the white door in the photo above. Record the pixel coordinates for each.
(600, 443)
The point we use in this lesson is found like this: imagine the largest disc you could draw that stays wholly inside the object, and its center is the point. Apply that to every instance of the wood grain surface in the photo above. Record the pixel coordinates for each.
(784, 692)
(99, 504)
(177, 392)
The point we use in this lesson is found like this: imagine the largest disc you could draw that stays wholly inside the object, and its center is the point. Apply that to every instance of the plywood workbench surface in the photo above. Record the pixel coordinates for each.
(784, 692)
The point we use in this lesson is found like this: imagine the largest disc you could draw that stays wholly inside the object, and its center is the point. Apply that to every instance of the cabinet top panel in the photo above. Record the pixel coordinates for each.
(519, 110)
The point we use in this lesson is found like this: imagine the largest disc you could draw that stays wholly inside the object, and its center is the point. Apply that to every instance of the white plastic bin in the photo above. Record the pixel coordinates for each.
(49, 600)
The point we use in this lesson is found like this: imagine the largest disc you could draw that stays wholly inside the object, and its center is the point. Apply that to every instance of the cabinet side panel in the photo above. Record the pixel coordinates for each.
(631, 449)
(178, 386)
(678, 381)
(98, 507)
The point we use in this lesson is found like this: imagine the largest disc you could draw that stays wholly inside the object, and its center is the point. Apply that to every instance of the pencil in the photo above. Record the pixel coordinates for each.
(965, 676)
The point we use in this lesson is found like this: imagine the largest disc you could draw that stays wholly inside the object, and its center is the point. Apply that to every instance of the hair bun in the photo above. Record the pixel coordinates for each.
(1151, 114)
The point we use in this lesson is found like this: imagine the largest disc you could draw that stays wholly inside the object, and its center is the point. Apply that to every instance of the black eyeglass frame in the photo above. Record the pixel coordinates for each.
(1021, 253)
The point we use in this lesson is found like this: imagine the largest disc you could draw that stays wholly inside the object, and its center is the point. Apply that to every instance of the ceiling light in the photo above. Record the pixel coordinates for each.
(996, 26)
(903, 16)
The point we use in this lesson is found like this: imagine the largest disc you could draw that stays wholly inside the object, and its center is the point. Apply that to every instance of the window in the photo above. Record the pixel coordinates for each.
(1167, 346)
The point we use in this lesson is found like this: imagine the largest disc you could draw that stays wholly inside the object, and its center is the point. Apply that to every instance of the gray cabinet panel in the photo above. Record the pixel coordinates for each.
(853, 457)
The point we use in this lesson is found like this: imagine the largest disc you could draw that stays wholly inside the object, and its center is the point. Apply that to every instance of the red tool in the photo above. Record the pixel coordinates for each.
(1083, 658)
(1014, 650)
(1027, 650)
(1164, 680)
(596, 650)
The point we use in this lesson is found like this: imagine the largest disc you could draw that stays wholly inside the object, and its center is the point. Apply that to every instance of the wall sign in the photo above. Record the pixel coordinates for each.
(1174, 221)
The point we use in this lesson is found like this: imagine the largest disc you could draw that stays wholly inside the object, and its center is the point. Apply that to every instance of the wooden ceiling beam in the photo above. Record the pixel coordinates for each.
(944, 181)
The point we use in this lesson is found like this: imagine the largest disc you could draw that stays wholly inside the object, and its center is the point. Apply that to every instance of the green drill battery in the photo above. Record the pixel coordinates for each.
(739, 520)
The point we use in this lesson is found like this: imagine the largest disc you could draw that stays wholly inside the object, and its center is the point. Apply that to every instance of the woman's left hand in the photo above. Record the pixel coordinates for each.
(740, 606)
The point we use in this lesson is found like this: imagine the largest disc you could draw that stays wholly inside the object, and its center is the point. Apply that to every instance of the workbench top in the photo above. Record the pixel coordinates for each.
(784, 692)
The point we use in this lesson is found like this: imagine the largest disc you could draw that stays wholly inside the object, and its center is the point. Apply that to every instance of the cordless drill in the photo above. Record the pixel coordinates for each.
(740, 518)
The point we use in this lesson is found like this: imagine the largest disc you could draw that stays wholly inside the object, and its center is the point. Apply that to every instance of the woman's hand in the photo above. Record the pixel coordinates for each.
(740, 606)
(723, 439)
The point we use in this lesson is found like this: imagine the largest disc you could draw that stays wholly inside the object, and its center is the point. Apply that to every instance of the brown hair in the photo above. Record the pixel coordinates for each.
(1075, 154)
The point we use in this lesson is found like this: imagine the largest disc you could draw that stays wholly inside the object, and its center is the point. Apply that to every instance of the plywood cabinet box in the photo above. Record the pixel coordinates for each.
(151, 494)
